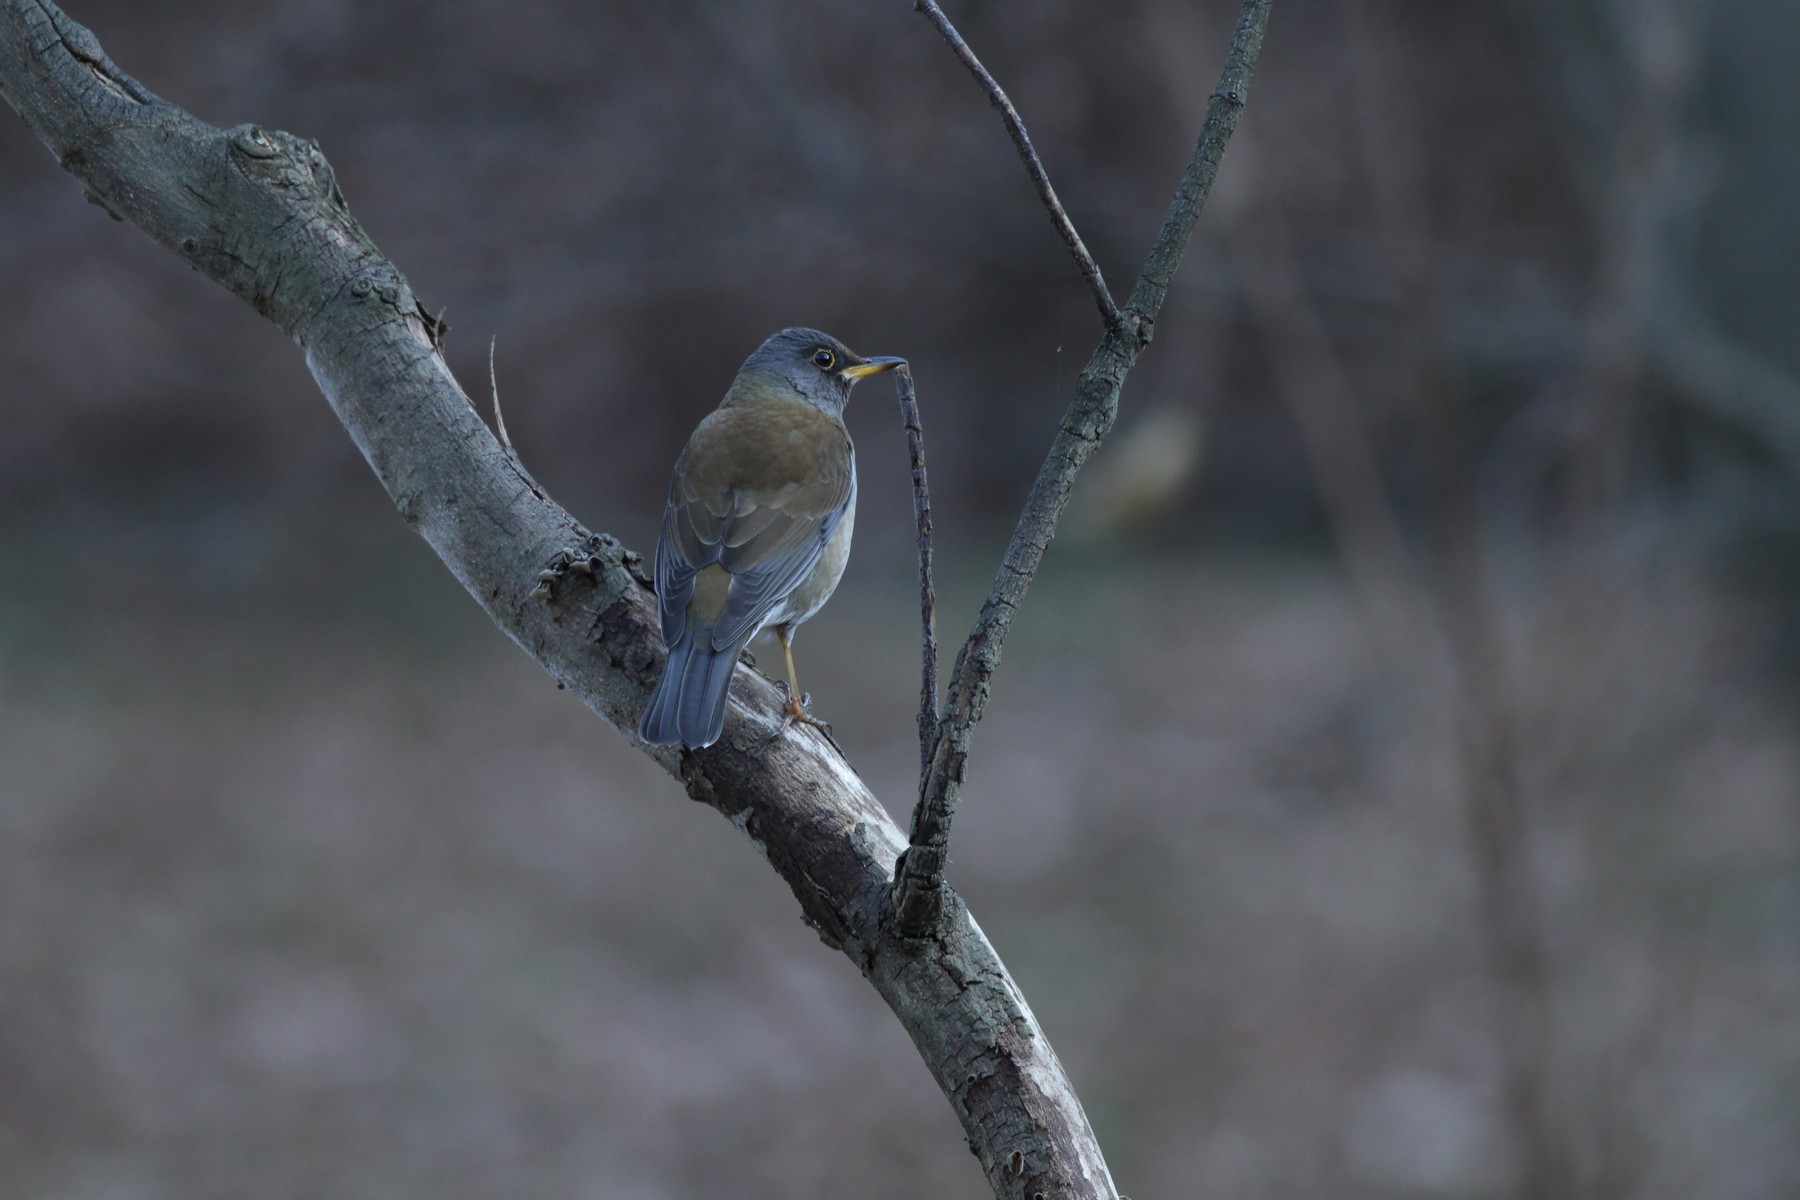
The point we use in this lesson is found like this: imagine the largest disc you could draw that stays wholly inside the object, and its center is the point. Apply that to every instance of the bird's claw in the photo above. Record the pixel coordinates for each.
(563, 564)
(796, 712)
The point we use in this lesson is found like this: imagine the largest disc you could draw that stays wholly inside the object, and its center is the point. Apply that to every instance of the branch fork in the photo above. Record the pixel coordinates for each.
(917, 901)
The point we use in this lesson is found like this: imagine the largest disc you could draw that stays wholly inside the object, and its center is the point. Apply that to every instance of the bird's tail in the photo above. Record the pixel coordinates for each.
(688, 704)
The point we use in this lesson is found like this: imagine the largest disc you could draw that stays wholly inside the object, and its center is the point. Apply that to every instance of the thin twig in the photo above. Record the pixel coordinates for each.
(918, 893)
(494, 390)
(512, 454)
(928, 648)
(1015, 125)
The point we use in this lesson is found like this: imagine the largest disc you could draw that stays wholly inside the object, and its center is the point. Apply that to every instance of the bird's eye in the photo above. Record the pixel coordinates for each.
(824, 359)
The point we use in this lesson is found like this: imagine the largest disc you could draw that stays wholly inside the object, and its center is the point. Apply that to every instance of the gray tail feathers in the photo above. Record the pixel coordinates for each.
(688, 704)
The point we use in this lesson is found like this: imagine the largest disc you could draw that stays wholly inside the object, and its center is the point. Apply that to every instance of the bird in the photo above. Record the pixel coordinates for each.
(757, 527)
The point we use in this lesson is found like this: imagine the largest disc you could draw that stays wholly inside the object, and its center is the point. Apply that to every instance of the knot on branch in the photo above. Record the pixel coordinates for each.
(252, 142)
(267, 219)
(382, 283)
(1140, 327)
(294, 163)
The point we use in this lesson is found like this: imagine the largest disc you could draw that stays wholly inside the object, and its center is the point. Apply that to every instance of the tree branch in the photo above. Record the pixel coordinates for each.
(260, 212)
(928, 648)
(919, 891)
(1015, 126)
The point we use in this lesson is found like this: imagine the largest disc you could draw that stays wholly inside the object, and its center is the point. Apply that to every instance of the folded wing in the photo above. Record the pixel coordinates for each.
(764, 513)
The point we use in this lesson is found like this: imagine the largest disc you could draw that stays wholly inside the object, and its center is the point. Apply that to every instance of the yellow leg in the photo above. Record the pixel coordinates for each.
(796, 711)
(787, 652)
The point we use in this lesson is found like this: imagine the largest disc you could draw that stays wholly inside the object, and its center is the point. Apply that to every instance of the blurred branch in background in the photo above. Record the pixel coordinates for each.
(1501, 833)
(1436, 599)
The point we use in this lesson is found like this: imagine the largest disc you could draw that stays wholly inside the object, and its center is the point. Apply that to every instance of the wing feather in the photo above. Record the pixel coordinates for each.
(767, 526)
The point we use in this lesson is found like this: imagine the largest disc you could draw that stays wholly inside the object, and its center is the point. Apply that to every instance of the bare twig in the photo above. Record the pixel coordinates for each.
(512, 454)
(928, 649)
(918, 898)
(494, 391)
(1015, 125)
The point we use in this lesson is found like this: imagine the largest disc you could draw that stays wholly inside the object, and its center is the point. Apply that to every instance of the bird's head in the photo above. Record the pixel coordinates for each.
(815, 366)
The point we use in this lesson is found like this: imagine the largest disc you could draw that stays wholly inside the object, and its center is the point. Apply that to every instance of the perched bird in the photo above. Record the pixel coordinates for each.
(757, 529)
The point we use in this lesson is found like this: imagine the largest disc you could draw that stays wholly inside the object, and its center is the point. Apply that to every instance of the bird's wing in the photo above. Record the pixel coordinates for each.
(680, 553)
(772, 561)
(766, 526)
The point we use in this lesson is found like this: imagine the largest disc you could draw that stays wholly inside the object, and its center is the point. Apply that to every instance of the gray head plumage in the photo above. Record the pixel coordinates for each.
(814, 365)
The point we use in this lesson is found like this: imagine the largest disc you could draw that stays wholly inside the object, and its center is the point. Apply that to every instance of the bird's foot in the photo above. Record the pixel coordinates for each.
(748, 658)
(796, 713)
(562, 564)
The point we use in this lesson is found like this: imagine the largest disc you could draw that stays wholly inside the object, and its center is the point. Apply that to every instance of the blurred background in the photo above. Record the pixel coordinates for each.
(1392, 788)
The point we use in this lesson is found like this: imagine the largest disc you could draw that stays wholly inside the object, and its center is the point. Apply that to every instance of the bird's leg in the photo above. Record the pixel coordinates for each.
(797, 700)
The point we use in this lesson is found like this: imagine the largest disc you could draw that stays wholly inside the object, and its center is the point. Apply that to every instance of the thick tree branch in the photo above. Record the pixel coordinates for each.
(1040, 178)
(919, 890)
(260, 212)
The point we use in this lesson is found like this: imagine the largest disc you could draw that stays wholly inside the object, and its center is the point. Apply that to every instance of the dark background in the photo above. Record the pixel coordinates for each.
(1447, 543)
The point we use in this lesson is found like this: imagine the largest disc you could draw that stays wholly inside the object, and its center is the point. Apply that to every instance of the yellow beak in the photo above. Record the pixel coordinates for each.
(871, 366)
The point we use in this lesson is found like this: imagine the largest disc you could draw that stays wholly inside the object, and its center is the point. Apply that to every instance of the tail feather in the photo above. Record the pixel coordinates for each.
(688, 704)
